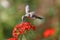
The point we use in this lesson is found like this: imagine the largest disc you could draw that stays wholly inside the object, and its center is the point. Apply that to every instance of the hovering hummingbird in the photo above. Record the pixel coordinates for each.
(30, 14)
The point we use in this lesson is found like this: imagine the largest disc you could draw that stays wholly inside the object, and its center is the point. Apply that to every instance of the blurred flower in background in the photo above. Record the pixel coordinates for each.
(48, 32)
(5, 3)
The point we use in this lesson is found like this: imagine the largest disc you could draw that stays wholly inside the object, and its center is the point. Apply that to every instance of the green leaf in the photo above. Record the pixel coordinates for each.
(23, 38)
(30, 35)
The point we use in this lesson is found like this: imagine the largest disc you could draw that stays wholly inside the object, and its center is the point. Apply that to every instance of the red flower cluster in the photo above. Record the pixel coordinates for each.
(12, 38)
(20, 28)
(48, 32)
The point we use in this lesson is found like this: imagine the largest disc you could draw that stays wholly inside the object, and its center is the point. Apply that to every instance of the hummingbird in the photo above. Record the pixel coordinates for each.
(30, 14)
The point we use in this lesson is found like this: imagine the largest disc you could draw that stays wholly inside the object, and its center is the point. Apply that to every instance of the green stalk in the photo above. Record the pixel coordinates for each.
(20, 37)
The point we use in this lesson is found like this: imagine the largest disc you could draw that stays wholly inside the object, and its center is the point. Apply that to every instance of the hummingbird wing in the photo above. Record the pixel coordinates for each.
(27, 9)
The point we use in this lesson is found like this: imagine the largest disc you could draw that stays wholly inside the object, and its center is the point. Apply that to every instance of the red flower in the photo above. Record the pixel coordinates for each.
(48, 32)
(52, 31)
(21, 31)
(15, 33)
(12, 38)
(33, 28)
(19, 25)
(20, 28)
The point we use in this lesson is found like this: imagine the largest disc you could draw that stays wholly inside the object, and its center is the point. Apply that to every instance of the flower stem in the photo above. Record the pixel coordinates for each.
(20, 37)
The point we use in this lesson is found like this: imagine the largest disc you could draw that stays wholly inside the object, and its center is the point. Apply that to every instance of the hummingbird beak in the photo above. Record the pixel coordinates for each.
(37, 17)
